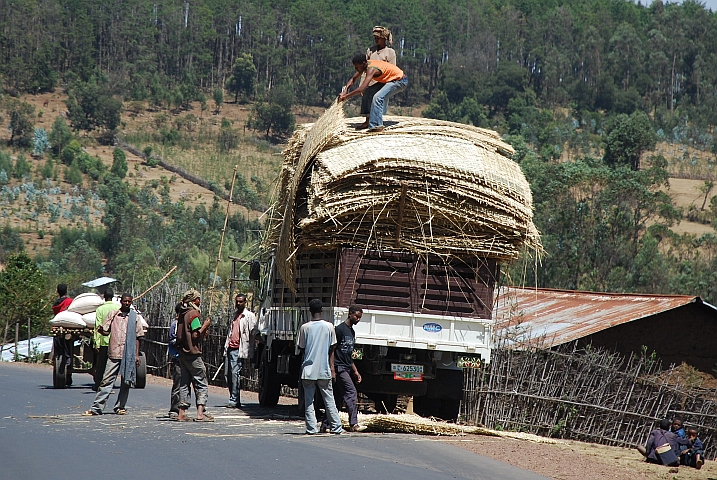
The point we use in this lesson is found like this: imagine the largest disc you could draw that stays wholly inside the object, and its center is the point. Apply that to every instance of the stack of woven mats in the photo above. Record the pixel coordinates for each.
(421, 185)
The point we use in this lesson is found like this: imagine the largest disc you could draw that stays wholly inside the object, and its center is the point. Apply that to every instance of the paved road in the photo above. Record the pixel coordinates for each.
(43, 435)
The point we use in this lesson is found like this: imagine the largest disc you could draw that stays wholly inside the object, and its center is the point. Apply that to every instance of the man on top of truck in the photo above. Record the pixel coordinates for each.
(392, 79)
(317, 340)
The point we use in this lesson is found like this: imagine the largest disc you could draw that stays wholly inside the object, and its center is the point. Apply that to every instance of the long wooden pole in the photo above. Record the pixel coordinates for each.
(221, 242)
(160, 281)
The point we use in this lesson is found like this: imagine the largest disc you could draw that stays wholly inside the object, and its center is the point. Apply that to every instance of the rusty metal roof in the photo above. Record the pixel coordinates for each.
(553, 317)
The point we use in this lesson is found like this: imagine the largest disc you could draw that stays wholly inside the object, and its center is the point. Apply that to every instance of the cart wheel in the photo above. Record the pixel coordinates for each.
(59, 378)
(141, 372)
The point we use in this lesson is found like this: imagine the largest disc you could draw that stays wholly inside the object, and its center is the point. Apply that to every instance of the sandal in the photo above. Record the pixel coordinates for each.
(121, 411)
(90, 413)
(205, 418)
(185, 419)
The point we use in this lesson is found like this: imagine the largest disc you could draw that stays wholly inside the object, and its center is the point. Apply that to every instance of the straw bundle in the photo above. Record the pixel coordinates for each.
(422, 185)
(409, 423)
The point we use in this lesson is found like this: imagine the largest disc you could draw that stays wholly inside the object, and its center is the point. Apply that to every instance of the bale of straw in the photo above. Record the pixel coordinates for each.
(414, 424)
(459, 191)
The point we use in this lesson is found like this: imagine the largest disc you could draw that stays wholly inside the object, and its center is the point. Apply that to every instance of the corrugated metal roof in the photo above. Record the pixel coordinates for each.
(553, 317)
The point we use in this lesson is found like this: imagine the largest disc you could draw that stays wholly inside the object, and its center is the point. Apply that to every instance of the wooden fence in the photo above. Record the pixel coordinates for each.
(590, 395)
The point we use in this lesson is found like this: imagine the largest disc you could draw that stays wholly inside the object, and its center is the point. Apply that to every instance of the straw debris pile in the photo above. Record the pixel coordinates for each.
(409, 423)
(422, 185)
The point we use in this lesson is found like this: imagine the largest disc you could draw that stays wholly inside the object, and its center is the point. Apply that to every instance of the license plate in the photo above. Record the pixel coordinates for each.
(468, 362)
(404, 368)
(408, 377)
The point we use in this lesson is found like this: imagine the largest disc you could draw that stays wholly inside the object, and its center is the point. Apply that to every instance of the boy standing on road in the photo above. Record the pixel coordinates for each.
(317, 340)
(190, 333)
(102, 342)
(344, 388)
(123, 356)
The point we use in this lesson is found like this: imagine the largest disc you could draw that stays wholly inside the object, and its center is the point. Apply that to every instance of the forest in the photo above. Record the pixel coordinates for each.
(603, 100)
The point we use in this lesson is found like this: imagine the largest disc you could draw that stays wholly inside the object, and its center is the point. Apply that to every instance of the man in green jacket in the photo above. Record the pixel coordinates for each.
(102, 341)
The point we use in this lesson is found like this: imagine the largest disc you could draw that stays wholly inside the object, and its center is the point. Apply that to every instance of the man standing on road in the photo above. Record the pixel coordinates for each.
(317, 340)
(190, 333)
(63, 348)
(123, 356)
(237, 348)
(102, 342)
(344, 388)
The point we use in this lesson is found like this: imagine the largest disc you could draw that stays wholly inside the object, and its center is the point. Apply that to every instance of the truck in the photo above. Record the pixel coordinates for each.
(425, 319)
(411, 224)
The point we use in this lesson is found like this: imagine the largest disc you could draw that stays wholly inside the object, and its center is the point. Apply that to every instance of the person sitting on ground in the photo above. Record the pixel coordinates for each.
(677, 427)
(662, 446)
(390, 76)
(692, 455)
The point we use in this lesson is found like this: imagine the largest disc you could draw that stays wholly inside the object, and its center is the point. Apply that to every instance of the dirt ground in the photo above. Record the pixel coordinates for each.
(576, 460)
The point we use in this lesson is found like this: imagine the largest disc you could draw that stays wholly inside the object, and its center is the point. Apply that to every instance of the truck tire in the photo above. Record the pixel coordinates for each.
(141, 381)
(440, 408)
(449, 410)
(427, 407)
(59, 371)
(269, 383)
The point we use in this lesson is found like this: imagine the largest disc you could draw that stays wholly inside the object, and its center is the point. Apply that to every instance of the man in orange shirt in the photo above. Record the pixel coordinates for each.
(393, 79)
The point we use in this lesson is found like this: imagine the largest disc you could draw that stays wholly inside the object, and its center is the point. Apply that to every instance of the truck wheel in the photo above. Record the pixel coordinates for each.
(141, 372)
(59, 378)
(427, 407)
(449, 410)
(269, 384)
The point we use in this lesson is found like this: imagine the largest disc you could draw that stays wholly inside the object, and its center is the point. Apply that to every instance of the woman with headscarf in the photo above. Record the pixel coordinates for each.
(379, 51)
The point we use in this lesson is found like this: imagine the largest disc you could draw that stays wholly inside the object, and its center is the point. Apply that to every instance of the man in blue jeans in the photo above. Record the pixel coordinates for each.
(393, 79)
(238, 348)
(317, 340)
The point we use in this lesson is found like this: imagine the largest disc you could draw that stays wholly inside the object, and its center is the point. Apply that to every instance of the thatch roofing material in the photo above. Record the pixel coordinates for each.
(460, 191)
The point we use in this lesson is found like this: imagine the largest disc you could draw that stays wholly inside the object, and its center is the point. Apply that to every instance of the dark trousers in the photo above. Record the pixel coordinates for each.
(100, 365)
(176, 372)
(345, 393)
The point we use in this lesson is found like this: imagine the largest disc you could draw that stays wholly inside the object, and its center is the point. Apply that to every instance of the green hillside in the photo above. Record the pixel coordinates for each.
(603, 100)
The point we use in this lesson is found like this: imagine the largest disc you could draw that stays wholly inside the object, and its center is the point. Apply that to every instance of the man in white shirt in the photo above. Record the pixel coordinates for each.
(317, 340)
(238, 348)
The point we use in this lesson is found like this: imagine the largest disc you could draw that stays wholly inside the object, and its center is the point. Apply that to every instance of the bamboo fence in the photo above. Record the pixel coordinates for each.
(589, 394)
